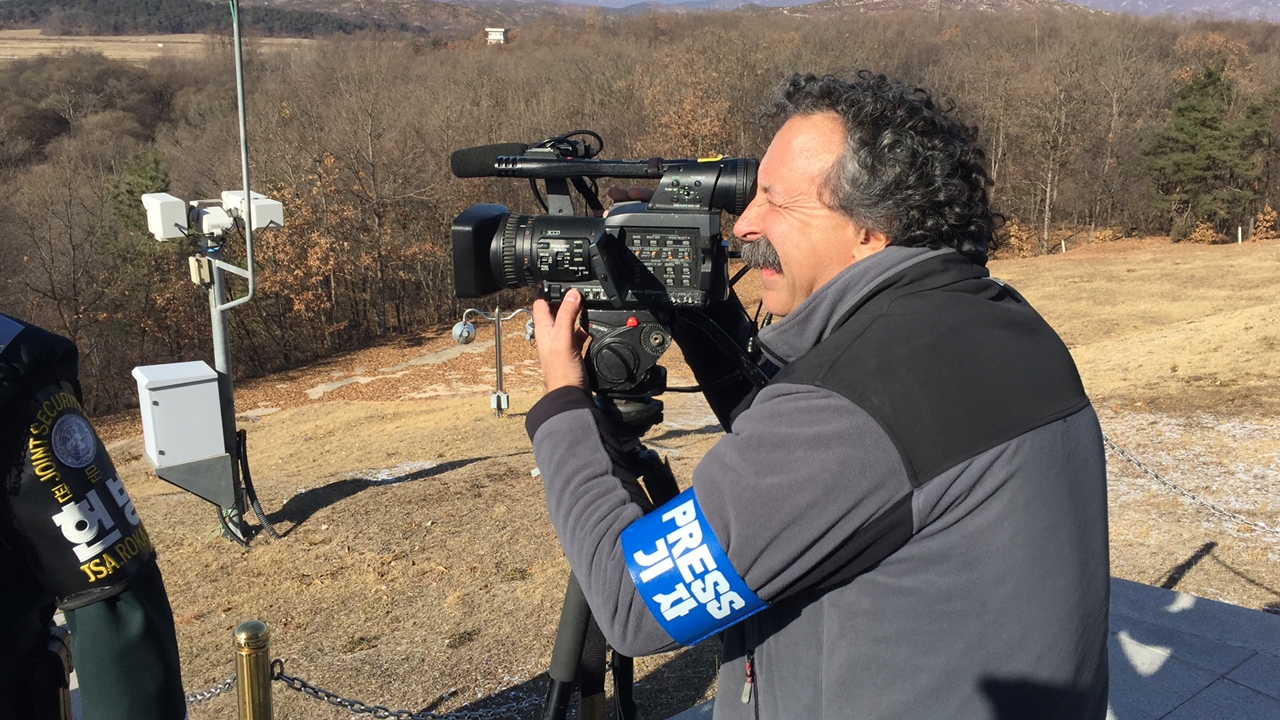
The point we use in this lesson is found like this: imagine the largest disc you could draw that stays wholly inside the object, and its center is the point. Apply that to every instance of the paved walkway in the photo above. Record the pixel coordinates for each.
(1180, 657)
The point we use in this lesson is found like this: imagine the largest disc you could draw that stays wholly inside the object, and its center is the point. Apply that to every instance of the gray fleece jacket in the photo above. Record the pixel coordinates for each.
(917, 503)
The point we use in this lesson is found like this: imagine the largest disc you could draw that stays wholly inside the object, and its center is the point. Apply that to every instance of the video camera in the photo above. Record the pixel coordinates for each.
(637, 269)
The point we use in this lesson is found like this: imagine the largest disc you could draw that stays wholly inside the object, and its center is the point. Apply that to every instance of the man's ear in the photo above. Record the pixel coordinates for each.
(869, 243)
(875, 241)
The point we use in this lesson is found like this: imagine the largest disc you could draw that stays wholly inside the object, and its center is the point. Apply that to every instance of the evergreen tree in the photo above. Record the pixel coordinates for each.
(1208, 163)
(143, 174)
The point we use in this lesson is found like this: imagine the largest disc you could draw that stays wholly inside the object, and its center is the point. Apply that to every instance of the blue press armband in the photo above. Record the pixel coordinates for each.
(683, 573)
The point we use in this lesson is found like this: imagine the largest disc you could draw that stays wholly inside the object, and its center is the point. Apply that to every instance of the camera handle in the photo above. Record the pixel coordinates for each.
(579, 651)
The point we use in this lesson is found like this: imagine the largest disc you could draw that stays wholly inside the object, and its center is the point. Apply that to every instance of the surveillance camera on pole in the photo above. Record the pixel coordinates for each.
(182, 402)
(171, 218)
(216, 477)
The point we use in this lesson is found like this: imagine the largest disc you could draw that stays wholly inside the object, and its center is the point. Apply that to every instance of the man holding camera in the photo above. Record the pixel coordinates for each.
(910, 519)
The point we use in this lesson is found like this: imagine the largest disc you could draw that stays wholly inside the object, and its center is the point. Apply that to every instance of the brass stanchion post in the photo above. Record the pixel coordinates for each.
(253, 670)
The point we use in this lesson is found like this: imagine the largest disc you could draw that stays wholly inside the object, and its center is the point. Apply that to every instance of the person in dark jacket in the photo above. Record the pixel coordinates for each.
(71, 538)
(910, 519)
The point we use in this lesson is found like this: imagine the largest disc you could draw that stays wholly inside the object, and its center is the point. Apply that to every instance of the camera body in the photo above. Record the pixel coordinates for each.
(666, 252)
(635, 258)
(635, 268)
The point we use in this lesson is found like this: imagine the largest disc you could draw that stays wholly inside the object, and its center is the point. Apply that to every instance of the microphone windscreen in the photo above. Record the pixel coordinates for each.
(479, 161)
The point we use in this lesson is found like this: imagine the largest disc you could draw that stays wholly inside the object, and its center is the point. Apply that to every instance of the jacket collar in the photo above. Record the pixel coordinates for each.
(826, 309)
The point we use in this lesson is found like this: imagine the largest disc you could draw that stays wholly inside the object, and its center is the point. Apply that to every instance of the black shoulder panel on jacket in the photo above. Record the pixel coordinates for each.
(950, 362)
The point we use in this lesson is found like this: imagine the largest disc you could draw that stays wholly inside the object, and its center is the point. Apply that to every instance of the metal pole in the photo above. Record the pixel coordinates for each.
(218, 299)
(226, 393)
(497, 350)
(247, 210)
(464, 333)
(253, 670)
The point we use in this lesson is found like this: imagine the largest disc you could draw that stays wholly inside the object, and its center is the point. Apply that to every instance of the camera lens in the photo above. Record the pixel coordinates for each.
(504, 264)
(737, 185)
(496, 250)
(534, 249)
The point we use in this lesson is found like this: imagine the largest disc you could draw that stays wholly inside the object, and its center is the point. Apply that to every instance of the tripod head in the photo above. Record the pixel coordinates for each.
(622, 365)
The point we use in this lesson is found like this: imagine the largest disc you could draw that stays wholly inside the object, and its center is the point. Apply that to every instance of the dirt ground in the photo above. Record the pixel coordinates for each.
(418, 568)
(140, 49)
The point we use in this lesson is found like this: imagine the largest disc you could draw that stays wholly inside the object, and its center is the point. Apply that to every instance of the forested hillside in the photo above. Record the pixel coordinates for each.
(1097, 127)
(122, 17)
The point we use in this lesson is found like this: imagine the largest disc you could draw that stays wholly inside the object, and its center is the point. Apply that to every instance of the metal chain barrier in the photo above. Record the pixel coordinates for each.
(1217, 509)
(519, 702)
(203, 696)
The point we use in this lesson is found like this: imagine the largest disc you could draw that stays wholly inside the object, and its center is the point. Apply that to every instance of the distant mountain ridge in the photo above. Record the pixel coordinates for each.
(458, 19)
(1243, 9)
(870, 5)
(831, 6)
(1240, 9)
(447, 20)
(886, 5)
(464, 18)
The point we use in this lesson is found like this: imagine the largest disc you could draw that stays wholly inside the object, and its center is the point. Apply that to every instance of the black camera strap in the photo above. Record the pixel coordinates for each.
(589, 194)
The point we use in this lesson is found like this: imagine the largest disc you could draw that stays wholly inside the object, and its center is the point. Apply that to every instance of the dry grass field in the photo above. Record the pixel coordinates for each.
(140, 49)
(418, 568)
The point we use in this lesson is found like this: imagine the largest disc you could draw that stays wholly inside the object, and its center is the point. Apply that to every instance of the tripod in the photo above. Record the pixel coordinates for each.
(622, 371)
(578, 656)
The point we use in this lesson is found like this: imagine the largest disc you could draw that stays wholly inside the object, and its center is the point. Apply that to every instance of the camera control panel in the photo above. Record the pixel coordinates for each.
(562, 257)
(671, 255)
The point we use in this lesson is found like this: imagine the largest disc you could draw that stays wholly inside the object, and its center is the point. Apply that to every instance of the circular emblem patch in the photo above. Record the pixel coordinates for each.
(73, 441)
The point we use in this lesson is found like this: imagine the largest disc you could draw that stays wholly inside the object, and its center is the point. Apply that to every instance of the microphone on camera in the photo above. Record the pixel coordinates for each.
(479, 161)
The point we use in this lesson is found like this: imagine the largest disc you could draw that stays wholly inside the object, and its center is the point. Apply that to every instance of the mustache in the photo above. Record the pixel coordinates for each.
(761, 254)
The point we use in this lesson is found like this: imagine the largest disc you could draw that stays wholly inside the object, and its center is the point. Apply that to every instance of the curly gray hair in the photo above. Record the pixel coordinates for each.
(911, 169)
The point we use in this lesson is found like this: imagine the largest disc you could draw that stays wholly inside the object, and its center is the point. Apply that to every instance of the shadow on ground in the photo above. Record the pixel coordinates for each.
(299, 508)
(677, 685)
(674, 434)
(1206, 553)
(1184, 656)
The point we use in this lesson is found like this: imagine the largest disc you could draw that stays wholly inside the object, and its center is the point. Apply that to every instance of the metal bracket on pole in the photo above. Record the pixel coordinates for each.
(464, 332)
(247, 206)
(210, 478)
(242, 272)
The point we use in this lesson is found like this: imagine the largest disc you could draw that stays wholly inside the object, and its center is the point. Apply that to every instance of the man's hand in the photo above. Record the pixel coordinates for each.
(631, 194)
(559, 338)
(560, 342)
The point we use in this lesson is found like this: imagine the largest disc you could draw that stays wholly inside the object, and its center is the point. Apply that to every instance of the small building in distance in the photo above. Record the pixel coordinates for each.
(497, 36)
